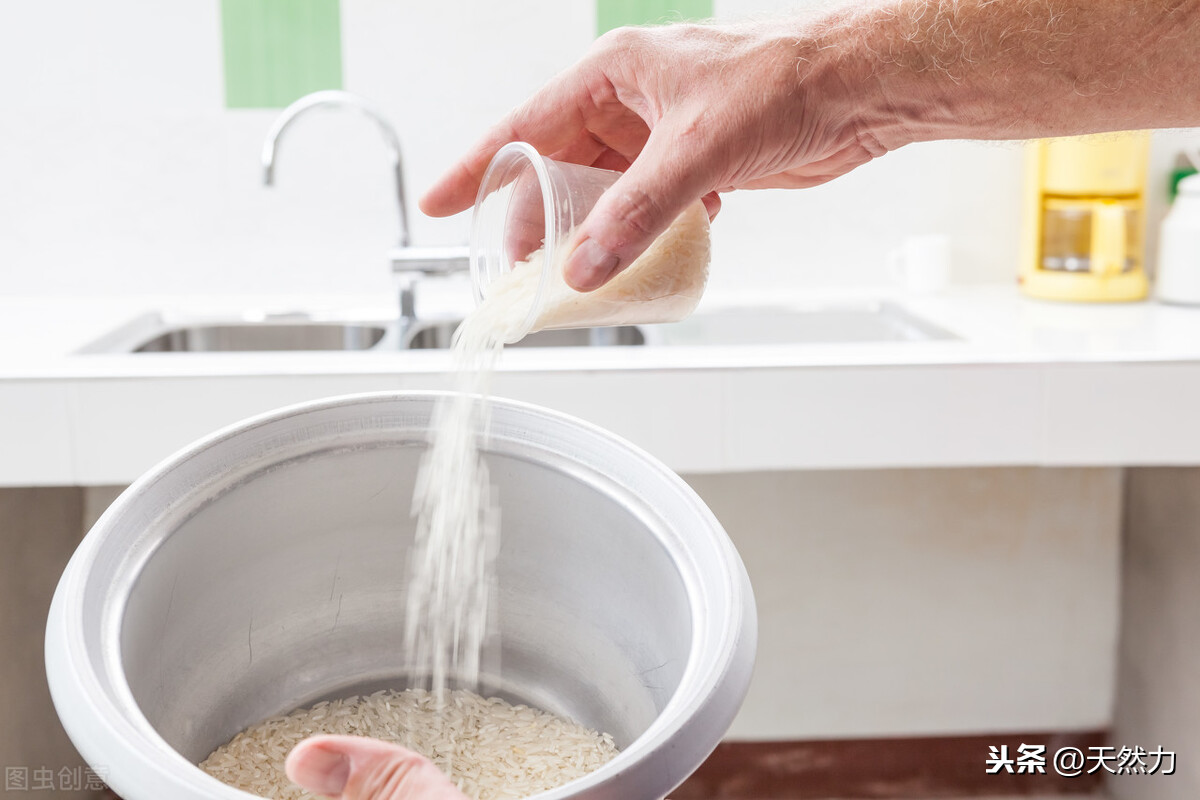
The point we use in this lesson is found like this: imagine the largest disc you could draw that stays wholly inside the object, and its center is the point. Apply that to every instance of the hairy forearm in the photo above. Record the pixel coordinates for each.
(1010, 69)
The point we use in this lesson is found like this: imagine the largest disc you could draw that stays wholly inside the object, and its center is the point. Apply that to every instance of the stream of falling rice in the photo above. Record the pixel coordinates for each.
(451, 580)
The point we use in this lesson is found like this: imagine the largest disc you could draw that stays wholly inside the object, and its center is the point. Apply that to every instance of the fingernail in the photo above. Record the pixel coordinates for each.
(324, 772)
(589, 266)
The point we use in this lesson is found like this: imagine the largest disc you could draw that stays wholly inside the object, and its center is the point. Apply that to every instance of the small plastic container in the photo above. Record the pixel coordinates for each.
(525, 214)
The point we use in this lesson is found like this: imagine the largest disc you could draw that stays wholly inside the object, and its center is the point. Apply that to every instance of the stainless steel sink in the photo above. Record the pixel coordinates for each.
(263, 333)
(264, 337)
(437, 335)
(827, 323)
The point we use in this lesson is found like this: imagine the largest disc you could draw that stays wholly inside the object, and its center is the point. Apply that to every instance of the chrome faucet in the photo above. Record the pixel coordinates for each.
(408, 263)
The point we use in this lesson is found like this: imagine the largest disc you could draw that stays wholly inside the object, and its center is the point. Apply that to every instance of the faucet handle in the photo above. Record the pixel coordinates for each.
(430, 260)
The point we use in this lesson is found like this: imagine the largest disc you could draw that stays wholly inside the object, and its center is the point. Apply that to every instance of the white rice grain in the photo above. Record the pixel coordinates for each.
(491, 749)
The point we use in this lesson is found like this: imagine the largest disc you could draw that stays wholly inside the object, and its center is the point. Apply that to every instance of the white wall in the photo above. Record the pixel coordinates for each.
(122, 172)
(927, 602)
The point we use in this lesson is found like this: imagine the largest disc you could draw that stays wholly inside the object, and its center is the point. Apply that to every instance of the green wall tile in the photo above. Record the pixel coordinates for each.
(279, 50)
(615, 13)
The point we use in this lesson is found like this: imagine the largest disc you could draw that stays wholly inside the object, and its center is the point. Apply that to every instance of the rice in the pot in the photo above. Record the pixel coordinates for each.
(490, 748)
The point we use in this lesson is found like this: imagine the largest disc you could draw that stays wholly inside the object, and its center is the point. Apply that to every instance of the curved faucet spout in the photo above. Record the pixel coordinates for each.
(339, 99)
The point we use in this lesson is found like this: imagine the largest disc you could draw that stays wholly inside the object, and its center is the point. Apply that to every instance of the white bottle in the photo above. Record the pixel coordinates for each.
(1179, 247)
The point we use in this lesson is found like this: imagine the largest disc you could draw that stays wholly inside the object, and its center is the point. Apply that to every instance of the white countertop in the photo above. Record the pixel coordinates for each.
(1026, 382)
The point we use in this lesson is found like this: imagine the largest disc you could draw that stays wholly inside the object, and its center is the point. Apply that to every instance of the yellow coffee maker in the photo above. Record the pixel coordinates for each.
(1085, 218)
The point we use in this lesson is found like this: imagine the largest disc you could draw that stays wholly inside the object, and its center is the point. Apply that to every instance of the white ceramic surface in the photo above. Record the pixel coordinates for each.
(1002, 393)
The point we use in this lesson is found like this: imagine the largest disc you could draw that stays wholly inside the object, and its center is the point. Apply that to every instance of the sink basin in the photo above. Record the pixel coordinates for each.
(152, 333)
(825, 324)
(840, 323)
(438, 335)
(264, 336)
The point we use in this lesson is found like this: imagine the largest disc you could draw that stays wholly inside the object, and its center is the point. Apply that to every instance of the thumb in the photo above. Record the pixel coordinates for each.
(358, 768)
(667, 176)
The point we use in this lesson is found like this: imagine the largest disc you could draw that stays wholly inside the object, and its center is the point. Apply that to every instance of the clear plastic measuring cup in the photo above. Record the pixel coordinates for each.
(526, 211)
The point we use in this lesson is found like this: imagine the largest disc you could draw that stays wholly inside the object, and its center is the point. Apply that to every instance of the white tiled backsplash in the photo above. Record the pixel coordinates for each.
(123, 173)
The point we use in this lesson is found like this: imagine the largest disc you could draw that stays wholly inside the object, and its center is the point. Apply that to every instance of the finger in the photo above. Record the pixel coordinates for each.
(672, 172)
(616, 127)
(584, 150)
(611, 160)
(549, 120)
(591, 151)
(525, 219)
(455, 190)
(358, 768)
(712, 204)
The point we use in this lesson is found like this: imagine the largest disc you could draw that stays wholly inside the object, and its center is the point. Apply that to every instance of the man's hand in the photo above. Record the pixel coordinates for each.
(357, 768)
(685, 111)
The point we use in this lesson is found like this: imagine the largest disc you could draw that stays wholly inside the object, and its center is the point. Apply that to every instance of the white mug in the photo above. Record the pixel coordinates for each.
(921, 264)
